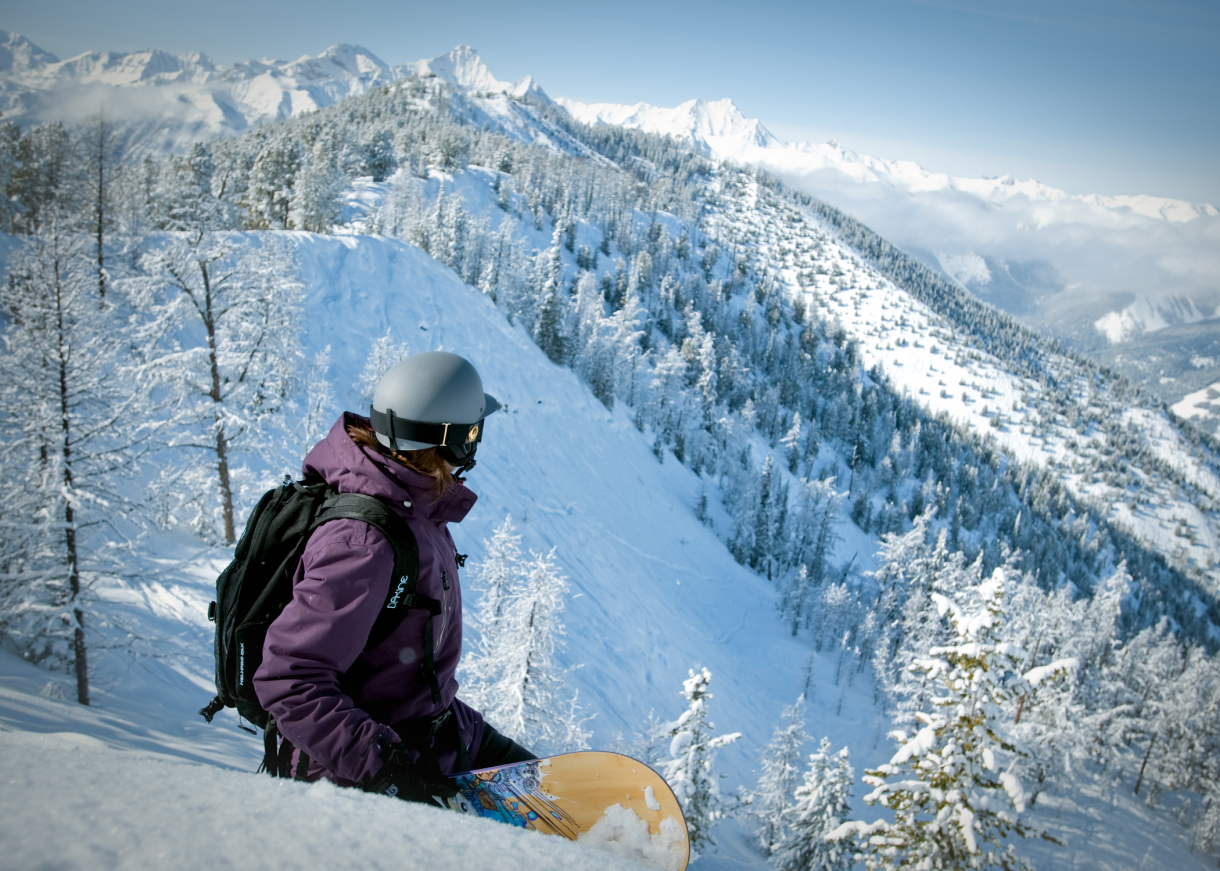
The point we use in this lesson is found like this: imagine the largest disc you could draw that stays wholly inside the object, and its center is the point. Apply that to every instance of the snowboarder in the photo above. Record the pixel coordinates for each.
(385, 716)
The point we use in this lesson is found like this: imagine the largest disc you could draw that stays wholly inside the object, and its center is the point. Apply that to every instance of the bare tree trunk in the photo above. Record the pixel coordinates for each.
(226, 486)
(1139, 781)
(80, 658)
(222, 444)
(99, 205)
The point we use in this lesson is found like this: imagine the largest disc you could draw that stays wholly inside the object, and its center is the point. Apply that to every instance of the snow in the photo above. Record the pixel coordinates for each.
(1201, 403)
(1014, 789)
(923, 741)
(718, 123)
(966, 269)
(622, 831)
(655, 593)
(141, 780)
(925, 356)
(1040, 673)
(1147, 315)
(1057, 260)
(462, 67)
(74, 800)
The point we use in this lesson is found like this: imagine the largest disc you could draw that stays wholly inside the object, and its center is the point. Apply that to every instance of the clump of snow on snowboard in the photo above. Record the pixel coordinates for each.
(624, 832)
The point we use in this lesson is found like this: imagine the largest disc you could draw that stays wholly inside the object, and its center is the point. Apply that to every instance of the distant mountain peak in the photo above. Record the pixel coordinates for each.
(17, 53)
(461, 67)
(354, 60)
(716, 123)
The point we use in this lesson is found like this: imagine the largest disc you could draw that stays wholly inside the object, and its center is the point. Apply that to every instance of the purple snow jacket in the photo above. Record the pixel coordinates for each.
(330, 696)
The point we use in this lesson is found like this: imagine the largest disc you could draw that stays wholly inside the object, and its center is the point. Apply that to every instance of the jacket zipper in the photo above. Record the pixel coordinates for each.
(445, 607)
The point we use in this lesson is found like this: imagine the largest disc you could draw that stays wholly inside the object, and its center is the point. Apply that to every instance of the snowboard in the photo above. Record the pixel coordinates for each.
(605, 799)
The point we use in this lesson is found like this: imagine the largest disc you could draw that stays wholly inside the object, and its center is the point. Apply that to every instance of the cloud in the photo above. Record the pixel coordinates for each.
(1103, 255)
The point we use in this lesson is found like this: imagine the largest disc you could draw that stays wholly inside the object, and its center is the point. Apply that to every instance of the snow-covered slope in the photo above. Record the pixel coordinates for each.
(653, 584)
(654, 594)
(81, 790)
(1065, 421)
(1148, 316)
(1070, 264)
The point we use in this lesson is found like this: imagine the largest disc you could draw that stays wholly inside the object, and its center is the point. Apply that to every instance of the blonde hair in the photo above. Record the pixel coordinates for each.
(427, 461)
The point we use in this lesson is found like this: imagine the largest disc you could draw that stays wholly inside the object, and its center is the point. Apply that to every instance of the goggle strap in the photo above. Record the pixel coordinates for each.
(450, 435)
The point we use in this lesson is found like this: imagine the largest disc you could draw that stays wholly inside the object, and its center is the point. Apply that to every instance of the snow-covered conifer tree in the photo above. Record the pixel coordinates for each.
(269, 191)
(688, 769)
(822, 800)
(316, 190)
(386, 351)
(183, 198)
(1206, 829)
(792, 442)
(320, 405)
(951, 785)
(513, 674)
(499, 573)
(781, 774)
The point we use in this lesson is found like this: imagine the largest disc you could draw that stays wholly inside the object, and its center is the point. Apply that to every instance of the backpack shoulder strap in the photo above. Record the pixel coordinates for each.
(371, 510)
(402, 595)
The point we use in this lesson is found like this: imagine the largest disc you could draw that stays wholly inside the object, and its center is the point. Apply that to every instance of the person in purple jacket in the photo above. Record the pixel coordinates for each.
(386, 717)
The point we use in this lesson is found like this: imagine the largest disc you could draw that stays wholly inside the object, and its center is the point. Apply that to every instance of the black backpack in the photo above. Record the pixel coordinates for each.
(254, 588)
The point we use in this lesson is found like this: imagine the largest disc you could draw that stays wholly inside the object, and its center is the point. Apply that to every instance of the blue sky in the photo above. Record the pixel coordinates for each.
(1107, 97)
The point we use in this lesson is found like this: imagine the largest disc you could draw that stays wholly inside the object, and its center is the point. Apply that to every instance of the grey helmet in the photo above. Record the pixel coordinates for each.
(434, 399)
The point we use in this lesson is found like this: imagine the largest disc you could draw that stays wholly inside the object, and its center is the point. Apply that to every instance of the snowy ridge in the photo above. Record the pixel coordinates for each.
(172, 100)
(744, 140)
(18, 53)
(717, 124)
(1066, 264)
(464, 69)
(938, 364)
(1149, 315)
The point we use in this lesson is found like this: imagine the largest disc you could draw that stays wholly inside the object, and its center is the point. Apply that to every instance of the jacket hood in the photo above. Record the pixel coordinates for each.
(352, 468)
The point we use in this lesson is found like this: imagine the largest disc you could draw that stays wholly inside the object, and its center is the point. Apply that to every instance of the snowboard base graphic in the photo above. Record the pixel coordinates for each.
(605, 799)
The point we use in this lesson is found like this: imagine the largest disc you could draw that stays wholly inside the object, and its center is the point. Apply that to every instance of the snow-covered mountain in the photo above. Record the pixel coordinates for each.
(954, 211)
(1099, 271)
(163, 102)
(463, 68)
(717, 127)
(716, 311)
(1094, 269)
(168, 101)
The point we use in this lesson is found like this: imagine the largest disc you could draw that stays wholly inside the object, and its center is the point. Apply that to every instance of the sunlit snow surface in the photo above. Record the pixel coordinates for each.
(139, 780)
